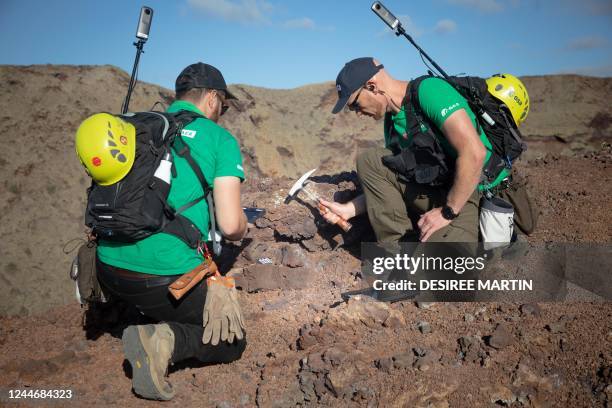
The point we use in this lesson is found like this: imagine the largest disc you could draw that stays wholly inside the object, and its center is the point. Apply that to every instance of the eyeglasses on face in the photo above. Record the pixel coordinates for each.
(224, 106)
(354, 106)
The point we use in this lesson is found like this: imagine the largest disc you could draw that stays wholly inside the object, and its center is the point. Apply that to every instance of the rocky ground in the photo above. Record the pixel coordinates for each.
(307, 347)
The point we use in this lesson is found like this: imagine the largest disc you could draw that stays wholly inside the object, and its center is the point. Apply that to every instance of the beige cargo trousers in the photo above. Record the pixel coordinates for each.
(394, 207)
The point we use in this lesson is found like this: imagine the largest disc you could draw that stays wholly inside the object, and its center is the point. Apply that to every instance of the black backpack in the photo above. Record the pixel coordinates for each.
(501, 131)
(425, 161)
(136, 207)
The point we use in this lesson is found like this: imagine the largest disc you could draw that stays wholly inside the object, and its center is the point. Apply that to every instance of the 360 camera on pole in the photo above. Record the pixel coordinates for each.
(142, 33)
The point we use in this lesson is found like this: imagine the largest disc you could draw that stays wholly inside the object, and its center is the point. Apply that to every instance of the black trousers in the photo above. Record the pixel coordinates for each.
(149, 294)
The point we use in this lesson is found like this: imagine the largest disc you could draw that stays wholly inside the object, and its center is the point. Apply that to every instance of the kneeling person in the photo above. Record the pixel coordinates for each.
(140, 273)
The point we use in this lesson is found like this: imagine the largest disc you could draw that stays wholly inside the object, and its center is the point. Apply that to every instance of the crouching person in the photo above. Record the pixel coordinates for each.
(205, 322)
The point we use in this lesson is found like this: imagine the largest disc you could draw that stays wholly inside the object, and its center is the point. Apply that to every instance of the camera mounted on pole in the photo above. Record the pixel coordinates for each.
(142, 34)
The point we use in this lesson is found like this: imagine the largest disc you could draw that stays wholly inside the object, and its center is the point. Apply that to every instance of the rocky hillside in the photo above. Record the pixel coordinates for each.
(306, 347)
(282, 133)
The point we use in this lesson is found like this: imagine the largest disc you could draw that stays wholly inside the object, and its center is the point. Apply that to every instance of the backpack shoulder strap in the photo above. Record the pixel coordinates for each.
(412, 96)
(412, 106)
(182, 149)
(183, 118)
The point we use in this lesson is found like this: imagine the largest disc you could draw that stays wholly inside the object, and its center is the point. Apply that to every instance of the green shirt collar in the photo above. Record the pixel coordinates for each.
(184, 105)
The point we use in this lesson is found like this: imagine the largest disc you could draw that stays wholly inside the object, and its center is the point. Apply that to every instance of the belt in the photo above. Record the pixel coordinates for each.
(124, 273)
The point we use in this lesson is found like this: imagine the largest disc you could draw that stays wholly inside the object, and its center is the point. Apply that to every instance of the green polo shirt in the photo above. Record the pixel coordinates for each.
(439, 100)
(217, 153)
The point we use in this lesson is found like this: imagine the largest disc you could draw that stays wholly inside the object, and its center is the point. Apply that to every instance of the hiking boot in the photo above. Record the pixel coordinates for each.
(149, 348)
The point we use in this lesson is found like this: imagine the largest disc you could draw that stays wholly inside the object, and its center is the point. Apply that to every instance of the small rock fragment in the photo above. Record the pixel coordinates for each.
(293, 256)
(424, 327)
(394, 320)
(384, 364)
(501, 395)
(530, 309)
(424, 305)
(426, 361)
(558, 326)
(500, 338)
(403, 360)
(468, 317)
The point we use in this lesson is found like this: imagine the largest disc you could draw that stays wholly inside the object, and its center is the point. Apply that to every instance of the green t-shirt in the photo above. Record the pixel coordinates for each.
(217, 153)
(438, 100)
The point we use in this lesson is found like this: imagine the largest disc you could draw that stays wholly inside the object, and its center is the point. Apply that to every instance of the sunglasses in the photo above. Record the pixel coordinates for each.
(354, 106)
(224, 106)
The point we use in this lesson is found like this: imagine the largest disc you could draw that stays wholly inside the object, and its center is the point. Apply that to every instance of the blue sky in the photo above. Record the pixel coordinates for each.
(284, 44)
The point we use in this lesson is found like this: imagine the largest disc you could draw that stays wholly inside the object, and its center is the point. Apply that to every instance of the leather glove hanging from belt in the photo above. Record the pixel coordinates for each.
(222, 317)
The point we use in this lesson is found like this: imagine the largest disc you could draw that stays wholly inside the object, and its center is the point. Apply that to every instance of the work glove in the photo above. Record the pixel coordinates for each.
(222, 317)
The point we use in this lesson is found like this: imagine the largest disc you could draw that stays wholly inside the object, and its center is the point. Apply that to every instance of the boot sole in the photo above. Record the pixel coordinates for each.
(144, 381)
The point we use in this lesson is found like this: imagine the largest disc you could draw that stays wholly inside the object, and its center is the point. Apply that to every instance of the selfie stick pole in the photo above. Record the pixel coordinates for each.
(142, 33)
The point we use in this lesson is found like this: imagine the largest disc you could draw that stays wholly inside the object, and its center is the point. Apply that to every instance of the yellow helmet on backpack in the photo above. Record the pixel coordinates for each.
(511, 91)
(106, 146)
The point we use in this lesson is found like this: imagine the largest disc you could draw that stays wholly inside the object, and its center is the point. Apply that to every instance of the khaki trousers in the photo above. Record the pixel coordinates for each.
(394, 207)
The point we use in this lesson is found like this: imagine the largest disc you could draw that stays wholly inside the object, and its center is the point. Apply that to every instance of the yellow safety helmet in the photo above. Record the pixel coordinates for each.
(106, 146)
(511, 91)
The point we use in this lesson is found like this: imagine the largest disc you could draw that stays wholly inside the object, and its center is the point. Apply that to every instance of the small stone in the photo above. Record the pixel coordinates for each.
(468, 317)
(278, 305)
(558, 326)
(384, 364)
(394, 320)
(404, 360)
(293, 256)
(425, 362)
(530, 309)
(500, 338)
(501, 395)
(422, 364)
(424, 305)
(465, 342)
(424, 327)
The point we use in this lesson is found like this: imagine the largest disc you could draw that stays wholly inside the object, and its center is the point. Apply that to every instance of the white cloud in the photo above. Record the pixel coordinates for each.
(300, 23)
(243, 11)
(445, 26)
(487, 6)
(587, 43)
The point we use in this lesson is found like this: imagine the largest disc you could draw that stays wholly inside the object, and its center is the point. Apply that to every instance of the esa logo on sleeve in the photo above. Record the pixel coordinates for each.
(448, 110)
(188, 133)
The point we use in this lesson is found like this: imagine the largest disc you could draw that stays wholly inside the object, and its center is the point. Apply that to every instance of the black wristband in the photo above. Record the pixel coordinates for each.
(448, 213)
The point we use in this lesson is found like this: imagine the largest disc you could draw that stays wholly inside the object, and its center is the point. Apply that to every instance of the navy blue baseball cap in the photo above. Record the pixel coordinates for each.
(353, 76)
